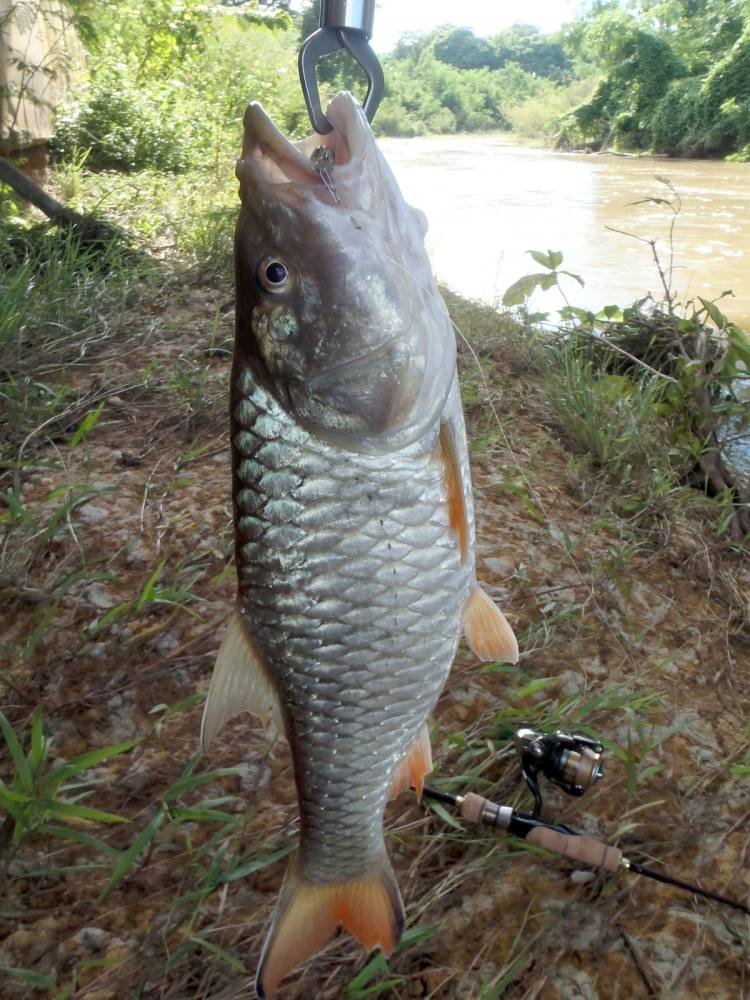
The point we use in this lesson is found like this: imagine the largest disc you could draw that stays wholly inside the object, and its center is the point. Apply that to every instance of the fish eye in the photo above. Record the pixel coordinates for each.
(274, 275)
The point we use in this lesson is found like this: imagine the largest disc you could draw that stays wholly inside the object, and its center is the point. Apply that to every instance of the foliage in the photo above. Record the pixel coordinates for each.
(41, 793)
(675, 77)
(539, 117)
(125, 126)
(656, 386)
(54, 290)
(619, 111)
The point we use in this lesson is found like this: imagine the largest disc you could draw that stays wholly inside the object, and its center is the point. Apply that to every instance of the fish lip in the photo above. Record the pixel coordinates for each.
(278, 160)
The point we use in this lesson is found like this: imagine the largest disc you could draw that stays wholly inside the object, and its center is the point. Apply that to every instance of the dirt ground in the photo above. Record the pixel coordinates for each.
(111, 622)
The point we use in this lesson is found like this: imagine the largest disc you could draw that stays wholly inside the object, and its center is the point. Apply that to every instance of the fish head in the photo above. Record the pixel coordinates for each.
(338, 314)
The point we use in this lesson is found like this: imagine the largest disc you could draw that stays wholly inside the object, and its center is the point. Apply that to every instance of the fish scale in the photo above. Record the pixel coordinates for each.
(372, 634)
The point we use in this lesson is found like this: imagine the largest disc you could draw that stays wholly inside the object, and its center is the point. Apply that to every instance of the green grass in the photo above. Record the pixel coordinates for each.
(62, 299)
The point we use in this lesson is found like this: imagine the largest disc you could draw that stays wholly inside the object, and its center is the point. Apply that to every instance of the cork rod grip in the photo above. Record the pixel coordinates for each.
(577, 848)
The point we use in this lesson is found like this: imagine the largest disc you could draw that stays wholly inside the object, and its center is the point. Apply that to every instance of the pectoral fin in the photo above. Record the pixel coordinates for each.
(457, 514)
(414, 767)
(240, 683)
(487, 630)
(307, 916)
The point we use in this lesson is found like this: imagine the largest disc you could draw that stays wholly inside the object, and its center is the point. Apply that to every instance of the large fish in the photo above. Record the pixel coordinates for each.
(353, 513)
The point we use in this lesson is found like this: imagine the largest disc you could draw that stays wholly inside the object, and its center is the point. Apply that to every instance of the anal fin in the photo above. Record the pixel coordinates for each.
(487, 630)
(415, 766)
(240, 683)
(307, 916)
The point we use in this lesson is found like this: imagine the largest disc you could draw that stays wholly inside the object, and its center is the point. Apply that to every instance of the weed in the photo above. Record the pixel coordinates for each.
(39, 793)
(156, 592)
(61, 300)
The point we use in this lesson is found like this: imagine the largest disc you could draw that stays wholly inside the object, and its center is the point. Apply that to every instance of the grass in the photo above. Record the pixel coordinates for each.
(182, 890)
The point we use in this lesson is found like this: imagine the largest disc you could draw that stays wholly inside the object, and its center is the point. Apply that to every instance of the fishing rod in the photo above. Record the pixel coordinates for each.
(574, 764)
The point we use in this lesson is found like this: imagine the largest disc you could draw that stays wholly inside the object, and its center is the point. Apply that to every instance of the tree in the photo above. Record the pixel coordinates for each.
(534, 52)
(461, 48)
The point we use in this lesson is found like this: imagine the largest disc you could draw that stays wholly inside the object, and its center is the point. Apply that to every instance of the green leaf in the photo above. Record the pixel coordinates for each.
(79, 837)
(520, 290)
(255, 866)
(442, 812)
(575, 277)
(190, 781)
(127, 858)
(544, 259)
(714, 312)
(90, 759)
(79, 812)
(27, 976)
(556, 257)
(88, 423)
(13, 809)
(235, 963)
(37, 739)
(23, 770)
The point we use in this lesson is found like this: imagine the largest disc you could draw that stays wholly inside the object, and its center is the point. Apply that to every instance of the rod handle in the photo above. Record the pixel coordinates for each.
(577, 848)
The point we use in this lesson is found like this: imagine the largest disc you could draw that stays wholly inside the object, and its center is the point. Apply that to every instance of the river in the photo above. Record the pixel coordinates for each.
(489, 201)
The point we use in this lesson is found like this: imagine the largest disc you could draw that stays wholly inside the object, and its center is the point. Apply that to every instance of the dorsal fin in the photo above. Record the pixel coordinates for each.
(240, 683)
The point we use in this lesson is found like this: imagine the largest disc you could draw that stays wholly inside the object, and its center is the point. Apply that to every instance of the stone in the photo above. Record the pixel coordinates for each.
(500, 566)
(91, 513)
(99, 596)
(136, 551)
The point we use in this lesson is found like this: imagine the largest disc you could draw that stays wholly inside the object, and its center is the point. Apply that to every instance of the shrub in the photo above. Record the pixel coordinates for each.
(126, 126)
(676, 126)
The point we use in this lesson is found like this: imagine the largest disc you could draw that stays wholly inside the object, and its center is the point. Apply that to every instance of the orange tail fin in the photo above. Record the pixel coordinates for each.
(308, 915)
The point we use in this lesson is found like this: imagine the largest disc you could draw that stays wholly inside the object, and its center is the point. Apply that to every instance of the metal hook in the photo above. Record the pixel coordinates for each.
(344, 24)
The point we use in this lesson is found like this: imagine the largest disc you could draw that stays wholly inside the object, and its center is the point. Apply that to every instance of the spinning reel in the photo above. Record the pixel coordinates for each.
(572, 762)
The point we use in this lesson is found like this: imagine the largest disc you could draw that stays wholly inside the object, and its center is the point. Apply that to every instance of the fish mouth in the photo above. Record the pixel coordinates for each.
(280, 161)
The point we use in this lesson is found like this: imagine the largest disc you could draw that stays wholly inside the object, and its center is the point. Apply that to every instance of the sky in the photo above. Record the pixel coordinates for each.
(485, 17)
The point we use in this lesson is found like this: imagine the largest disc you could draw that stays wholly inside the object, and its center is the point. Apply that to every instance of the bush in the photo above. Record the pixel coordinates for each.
(126, 126)
(677, 124)
(539, 116)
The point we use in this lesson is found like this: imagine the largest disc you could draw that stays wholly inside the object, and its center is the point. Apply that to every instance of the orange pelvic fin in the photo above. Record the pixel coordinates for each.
(414, 767)
(308, 915)
(240, 683)
(487, 630)
(458, 518)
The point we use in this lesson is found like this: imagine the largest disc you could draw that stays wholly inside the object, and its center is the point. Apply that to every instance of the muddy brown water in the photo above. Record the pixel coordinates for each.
(489, 201)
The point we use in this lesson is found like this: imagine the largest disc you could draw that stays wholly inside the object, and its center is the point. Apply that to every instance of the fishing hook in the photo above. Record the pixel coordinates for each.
(344, 24)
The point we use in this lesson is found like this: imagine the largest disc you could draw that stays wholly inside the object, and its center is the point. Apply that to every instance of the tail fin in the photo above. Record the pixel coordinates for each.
(308, 915)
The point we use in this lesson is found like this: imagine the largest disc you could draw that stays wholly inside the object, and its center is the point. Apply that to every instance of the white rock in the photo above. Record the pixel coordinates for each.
(500, 566)
(99, 596)
(91, 513)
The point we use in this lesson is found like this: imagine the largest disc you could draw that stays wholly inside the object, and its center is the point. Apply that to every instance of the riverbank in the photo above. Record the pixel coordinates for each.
(116, 579)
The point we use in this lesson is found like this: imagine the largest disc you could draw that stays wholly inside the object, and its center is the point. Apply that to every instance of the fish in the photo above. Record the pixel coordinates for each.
(354, 522)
